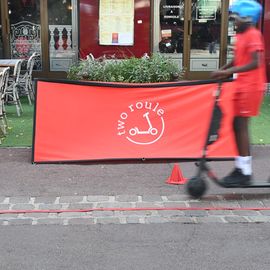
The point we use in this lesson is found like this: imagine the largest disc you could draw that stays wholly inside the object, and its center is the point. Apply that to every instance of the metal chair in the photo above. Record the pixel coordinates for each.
(25, 80)
(12, 95)
(4, 74)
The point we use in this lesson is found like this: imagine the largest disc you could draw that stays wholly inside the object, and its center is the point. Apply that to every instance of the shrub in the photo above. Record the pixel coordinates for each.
(156, 68)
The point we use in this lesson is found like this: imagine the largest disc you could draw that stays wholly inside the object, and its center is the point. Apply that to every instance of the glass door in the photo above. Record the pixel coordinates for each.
(169, 24)
(192, 33)
(62, 24)
(230, 38)
(204, 38)
(25, 29)
(48, 27)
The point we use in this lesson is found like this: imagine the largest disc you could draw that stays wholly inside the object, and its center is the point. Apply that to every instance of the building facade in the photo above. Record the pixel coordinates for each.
(194, 33)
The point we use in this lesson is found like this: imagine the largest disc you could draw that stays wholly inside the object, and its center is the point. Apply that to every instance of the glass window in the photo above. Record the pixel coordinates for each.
(205, 37)
(59, 12)
(25, 30)
(62, 53)
(24, 10)
(230, 38)
(171, 26)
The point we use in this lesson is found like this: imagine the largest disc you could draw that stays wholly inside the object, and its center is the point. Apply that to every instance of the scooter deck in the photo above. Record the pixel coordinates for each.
(211, 175)
(253, 185)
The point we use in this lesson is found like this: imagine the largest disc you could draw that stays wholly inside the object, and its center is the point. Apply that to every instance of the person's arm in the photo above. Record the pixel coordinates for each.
(220, 74)
(228, 65)
(228, 70)
(255, 62)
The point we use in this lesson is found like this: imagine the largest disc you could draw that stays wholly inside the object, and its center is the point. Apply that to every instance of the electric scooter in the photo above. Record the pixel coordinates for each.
(196, 186)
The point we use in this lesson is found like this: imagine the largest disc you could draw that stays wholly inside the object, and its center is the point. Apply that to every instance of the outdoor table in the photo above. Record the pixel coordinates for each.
(9, 62)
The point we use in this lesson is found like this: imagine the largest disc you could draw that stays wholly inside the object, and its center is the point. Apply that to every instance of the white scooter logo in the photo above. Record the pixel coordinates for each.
(153, 131)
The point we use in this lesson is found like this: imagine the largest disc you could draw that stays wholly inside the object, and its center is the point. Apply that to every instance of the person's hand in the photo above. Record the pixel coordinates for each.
(220, 74)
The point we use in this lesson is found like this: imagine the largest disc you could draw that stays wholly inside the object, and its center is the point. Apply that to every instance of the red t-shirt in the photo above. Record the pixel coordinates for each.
(246, 43)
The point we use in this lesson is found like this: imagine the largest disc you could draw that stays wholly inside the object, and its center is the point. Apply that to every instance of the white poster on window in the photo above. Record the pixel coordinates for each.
(116, 22)
(206, 10)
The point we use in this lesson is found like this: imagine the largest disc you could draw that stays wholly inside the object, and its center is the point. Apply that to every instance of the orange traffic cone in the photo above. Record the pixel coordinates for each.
(176, 177)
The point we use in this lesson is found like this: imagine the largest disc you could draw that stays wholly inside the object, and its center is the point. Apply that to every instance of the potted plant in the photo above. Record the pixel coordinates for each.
(148, 69)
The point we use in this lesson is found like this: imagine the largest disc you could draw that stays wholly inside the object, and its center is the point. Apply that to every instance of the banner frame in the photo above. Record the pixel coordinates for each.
(120, 85)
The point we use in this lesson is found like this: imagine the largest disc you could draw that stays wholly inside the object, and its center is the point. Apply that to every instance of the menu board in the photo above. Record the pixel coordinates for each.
(116, 22)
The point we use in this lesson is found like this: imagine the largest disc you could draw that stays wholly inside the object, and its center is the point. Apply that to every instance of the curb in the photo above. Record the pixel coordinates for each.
(132, 209)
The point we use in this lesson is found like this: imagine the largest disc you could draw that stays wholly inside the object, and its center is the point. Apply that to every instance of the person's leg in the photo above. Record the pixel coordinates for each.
(241, 131)
(242, 174)
(240, 127)
(246, 105)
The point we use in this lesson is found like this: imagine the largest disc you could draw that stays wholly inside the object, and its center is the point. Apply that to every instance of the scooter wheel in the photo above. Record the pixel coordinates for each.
(196, 187)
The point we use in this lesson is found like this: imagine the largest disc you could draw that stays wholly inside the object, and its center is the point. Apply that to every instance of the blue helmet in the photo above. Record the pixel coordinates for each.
(250, 10)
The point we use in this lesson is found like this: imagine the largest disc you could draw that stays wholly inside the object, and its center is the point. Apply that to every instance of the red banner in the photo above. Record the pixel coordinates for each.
(99, 121)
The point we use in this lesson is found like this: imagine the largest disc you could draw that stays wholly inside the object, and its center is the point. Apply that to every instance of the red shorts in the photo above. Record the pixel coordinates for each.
(247, 104)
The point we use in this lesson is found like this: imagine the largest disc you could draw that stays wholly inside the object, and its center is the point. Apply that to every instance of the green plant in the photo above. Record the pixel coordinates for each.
(148, 69)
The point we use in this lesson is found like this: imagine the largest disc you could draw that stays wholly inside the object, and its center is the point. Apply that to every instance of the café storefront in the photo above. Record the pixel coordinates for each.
(195, 33)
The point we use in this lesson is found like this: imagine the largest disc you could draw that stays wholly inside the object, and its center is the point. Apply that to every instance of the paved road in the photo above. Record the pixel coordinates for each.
(136, 247)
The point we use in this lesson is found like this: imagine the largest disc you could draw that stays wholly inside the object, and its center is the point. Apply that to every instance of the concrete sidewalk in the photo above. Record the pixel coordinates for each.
(28, 187)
